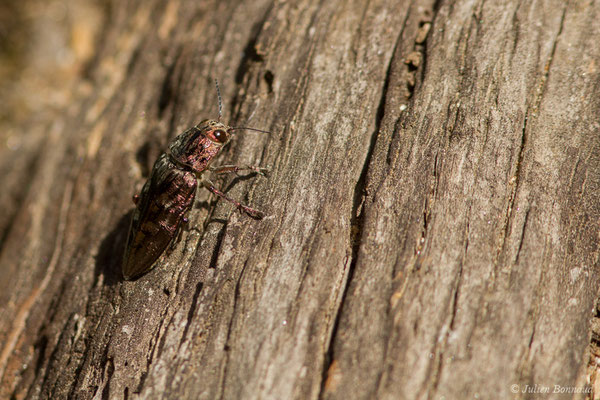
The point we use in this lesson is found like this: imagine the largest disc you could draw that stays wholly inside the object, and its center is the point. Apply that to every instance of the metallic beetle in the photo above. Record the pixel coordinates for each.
(169, 192)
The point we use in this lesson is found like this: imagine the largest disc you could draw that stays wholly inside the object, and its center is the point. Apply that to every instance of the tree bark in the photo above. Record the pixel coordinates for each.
(432, 206)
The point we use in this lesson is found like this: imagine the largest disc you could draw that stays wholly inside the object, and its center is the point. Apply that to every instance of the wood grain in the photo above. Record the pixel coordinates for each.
(432, 207)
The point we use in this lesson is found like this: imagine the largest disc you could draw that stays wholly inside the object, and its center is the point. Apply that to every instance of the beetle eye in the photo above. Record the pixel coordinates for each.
(220, 136)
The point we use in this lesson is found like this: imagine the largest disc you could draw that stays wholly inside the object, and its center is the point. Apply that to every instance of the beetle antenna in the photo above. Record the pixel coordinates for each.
(219, 97)
(236, 128)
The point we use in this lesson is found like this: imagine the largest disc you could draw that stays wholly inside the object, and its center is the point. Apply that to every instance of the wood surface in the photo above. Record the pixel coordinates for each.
(432, 206)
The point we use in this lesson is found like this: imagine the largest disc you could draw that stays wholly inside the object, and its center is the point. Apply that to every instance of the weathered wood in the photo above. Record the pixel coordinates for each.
(432, 227)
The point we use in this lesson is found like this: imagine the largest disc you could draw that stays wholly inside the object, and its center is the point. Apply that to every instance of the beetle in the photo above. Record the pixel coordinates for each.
(170, 191)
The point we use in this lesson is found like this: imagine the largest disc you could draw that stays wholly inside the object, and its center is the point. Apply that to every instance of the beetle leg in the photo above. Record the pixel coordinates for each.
(250, 211)
(223, 169)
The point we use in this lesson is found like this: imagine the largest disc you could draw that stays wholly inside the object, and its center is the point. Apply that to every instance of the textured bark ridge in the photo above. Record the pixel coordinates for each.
(432, 209)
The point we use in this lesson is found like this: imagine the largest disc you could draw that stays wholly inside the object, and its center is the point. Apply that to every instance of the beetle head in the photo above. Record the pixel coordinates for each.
(217, 132)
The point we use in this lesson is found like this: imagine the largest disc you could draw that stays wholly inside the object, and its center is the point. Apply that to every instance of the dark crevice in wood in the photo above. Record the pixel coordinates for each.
(251, 56)
(161, 337)
(357, 218)
(191, 312)
(436, 7)
(508, 214)
(522, 238)
(140, 385)
(530, 343)
(269, 79)
(391, 154)
(422, 47)
(428, 205)
(519, 164)
(40, 348)
(108, 371)
(214, 257)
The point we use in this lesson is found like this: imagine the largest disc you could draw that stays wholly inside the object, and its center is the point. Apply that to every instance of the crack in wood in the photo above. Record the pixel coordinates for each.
(522, 237)
(357, 220)
(515, 182)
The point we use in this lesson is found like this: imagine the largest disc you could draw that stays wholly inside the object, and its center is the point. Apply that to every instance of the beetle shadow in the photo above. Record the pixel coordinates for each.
(241, 178)
(110, 254)
(208, 206)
